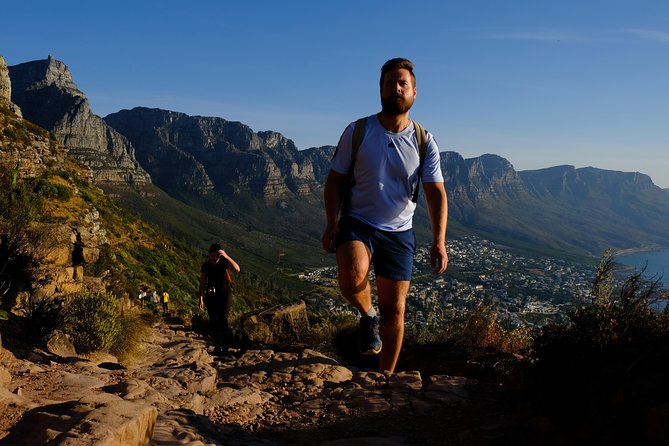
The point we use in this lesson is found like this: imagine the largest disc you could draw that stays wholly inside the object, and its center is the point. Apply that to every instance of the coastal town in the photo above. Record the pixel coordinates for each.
(525, 290)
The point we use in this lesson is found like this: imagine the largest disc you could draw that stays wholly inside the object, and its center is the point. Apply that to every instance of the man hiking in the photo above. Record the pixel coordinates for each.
(370, 197)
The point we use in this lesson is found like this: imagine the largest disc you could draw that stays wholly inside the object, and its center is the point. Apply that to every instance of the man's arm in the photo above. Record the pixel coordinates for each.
(203, 280)
(437, 205)
(334, 188)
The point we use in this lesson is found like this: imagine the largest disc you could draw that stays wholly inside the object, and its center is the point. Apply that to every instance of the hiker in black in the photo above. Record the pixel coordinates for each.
(216, 293)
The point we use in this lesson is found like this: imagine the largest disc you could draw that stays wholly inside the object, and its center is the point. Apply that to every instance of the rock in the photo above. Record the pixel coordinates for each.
(447, 389)
(6, 88)
(5, 377)
(228, 396)
(277, 325)
(406, 380)
(103, 420)
(59, 344)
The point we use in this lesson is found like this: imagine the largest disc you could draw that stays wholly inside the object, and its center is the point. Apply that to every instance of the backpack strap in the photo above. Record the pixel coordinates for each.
(359, 135)
(421, 140)
(356, 140)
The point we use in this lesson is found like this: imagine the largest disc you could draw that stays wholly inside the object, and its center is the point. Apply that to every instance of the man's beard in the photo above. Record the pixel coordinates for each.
(395, 105)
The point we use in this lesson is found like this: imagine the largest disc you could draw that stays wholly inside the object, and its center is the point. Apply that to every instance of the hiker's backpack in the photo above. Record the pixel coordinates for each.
(358, 136)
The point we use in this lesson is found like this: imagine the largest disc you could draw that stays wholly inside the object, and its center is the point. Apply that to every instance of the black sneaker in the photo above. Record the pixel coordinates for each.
(369, 341)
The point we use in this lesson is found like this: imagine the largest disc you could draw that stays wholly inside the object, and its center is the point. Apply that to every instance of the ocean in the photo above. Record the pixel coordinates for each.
(657, 267)
(656, 263)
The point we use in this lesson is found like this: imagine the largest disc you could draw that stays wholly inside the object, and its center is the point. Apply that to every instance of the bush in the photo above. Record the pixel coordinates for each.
(613, 318)
(92, 321)
(42, 317)
(483, 330)
(598, 374)
(126, 345)
(328, 334)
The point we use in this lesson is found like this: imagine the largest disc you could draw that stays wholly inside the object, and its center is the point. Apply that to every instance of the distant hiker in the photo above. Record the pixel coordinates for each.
(216, 293)
(373, 180)
(142, 298)
(154, 297)
(165, 301)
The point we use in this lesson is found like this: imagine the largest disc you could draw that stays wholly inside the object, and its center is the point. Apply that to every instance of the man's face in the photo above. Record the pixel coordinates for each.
(397, 92)
(214, 256)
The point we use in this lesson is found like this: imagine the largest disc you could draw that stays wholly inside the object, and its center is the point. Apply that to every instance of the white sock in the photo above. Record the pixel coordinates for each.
(371, 312)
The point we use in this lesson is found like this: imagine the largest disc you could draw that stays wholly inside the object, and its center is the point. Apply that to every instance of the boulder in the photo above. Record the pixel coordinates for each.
(94, 419)
(59, 344)
(282, 324)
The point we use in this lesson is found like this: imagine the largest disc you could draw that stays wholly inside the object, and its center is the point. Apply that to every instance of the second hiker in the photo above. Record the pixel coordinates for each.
(216, 293)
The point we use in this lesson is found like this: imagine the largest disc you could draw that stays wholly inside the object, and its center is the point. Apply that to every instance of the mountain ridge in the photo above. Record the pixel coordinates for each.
(48, 96)
(261, 179)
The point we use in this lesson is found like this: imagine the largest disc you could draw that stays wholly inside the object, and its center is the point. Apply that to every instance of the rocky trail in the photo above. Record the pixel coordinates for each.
(178, 394)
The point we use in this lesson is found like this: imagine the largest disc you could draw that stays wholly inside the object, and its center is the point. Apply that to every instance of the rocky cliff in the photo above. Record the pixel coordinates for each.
(24, 147)
(48, 96)
(6, 89)
(198, 154)
(28, 152)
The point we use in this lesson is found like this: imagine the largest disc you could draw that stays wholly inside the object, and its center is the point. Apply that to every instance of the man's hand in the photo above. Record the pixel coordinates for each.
(202, 303)
(438, 258)
(329, 237)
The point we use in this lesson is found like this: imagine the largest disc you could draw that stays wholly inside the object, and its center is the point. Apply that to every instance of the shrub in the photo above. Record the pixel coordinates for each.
(21, 244)
(483, 330)
(126, 345)
(42, 317)
(326, 332)
(613, 318)
(598, 373)
(93, 322)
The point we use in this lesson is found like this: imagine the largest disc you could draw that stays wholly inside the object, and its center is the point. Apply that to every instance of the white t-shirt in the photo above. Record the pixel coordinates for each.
(386, 173)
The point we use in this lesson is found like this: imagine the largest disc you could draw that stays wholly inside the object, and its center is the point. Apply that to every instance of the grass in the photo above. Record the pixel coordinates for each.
(134, 326)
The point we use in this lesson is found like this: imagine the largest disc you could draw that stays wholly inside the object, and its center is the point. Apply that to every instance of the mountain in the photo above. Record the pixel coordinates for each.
(580, 210)
(48, 96)
(260, 180)
(195, 155)
(259, 183)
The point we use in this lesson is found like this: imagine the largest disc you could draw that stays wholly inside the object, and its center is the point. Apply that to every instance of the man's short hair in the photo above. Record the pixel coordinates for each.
(215, 247)
(396, 64)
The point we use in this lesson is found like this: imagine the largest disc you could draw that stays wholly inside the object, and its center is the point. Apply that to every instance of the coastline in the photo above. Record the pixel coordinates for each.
(628, 251)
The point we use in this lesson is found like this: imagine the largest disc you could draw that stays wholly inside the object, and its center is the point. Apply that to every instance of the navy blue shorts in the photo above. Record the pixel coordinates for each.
(392, 252)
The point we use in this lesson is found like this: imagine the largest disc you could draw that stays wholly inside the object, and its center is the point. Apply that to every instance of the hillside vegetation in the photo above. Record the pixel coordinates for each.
(136, 255)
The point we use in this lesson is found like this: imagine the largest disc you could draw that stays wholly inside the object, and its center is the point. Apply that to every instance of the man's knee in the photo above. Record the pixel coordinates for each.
(393, 311)
(353, 278)
(353, 262)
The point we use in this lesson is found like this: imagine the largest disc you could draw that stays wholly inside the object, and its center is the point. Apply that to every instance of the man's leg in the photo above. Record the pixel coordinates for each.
(392, 302)
(353, 260)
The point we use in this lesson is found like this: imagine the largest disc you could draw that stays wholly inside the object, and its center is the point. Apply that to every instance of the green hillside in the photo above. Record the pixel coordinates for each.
(137, 254)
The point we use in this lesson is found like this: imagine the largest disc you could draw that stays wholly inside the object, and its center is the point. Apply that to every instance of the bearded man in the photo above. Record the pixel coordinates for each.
(370, 198)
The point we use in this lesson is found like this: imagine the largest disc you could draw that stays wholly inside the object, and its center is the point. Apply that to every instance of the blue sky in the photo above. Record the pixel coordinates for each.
(541, 83)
